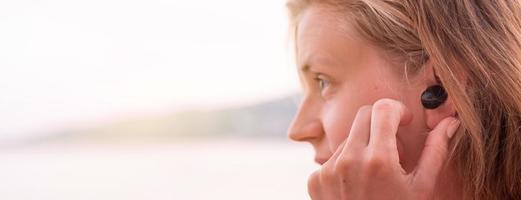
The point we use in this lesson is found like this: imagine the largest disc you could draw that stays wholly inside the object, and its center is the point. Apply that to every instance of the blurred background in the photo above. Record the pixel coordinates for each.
(148, 99)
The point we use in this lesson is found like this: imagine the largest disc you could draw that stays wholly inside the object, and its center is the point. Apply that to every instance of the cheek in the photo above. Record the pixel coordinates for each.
(339, 112)
(337, 118)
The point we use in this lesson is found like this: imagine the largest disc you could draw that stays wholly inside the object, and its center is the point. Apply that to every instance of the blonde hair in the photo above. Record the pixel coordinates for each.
(475, 49)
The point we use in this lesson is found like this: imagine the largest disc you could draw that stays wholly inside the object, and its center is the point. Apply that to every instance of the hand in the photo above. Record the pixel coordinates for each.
(367, 165)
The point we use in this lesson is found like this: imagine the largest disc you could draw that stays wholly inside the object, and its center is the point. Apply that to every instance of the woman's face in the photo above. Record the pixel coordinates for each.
(340, 72)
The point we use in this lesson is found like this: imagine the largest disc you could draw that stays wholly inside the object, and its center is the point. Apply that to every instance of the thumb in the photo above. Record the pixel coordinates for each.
(435, 153)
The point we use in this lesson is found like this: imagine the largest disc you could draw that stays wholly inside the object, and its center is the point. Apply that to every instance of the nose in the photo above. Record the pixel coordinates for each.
(306, 125)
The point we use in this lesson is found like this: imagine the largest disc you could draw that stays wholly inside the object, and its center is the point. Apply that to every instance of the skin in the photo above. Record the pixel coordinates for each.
(372, 137)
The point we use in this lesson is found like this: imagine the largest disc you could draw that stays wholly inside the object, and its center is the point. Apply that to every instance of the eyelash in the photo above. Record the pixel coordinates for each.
(322, 83)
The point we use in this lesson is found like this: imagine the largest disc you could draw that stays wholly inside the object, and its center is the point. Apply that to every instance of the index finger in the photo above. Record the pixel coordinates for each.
(387, 115)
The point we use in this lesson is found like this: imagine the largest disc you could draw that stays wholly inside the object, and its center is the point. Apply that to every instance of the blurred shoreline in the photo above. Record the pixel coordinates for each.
(268, 119)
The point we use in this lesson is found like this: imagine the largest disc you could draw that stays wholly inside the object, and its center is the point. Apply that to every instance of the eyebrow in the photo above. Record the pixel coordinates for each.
(309, 61)
(305, 68)
(315, 61)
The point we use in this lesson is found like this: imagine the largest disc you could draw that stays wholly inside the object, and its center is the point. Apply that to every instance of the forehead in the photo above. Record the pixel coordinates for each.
(326, 35)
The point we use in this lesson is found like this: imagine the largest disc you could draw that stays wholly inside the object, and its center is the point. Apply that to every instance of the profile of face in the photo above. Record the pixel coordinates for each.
(342, 72)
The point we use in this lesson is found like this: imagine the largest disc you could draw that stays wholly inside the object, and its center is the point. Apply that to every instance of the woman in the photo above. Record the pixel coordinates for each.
(410, 99)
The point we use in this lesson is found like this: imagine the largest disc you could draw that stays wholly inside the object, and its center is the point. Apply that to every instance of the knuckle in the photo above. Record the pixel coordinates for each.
(375, 164)
(314, 183)
(314, 180)
(344, 165)
(327, 174)
(342, 168)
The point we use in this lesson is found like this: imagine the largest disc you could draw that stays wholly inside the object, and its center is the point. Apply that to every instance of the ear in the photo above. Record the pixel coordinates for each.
(435, 116)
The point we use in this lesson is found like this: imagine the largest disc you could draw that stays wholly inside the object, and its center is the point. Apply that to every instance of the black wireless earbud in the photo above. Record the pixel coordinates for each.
(433, 97)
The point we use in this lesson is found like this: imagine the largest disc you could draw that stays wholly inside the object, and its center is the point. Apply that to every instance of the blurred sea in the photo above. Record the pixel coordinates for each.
(231, 169)
(236, 153)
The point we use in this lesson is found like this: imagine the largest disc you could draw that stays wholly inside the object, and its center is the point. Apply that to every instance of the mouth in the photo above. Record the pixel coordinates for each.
(320, 161)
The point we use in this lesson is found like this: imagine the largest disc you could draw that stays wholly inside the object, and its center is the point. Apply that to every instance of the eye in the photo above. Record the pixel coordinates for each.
(323, 83)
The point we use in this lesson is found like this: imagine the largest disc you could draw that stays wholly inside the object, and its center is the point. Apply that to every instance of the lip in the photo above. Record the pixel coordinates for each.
(320, 161)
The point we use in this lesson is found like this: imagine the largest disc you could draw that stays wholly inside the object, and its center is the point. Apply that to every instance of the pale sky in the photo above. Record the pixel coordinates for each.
(67, 63)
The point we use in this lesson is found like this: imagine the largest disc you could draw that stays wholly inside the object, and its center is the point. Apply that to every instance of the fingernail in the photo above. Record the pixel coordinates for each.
(453, 126)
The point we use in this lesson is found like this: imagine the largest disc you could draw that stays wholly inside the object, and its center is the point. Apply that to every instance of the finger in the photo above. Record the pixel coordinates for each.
(314, 185)
(336, 154)
(357, 140)
(387, 115)
(435, 153)
(359, 134)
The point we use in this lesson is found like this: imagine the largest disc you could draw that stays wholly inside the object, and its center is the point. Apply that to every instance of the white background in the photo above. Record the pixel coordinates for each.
(67, 63)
